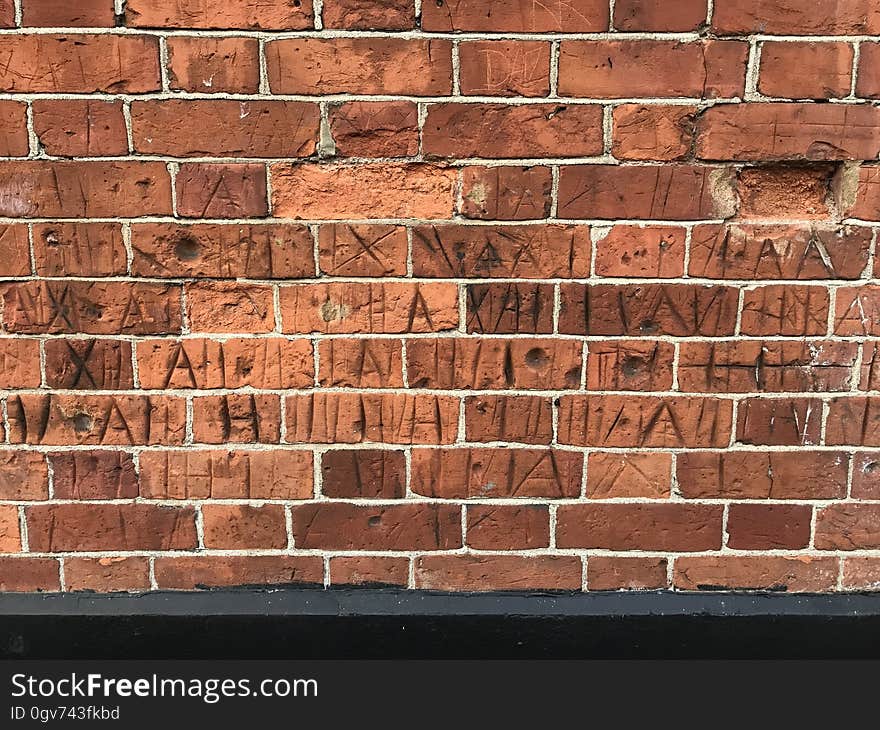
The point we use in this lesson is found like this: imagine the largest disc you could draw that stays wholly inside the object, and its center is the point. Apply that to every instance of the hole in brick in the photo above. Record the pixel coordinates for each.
(870, 467)
(537, 358)
(787, 191)
(631, 366)
(82, 422)
(648, 327)
(374, 520)
(186, 248)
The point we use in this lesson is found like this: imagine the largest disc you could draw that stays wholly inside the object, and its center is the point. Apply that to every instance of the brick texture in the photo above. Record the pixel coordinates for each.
(450, 295)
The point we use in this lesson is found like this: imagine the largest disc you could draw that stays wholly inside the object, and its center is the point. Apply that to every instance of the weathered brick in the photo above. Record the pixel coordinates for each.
(360, 363)
(80, 63)
(790, 311)
(224, 128)
(673, 15)
(681, 310)
(854, 421)
(494, 364)
(824, 70)
(864, 201)
(13, 129)
(365, 65)
(239, 474)
(521, 16)
(673, 527)
(506, 193)
(63, 14)
(786, 191)
(212, 571)
(88, 364)
(396, 308)
(19, 363)
(369, 15)
(652, 131)
(639, 251)
(617, 69)
(209, 65)
(498, 573)
(520, 130)
(7, 20)
(244, 14)
(79, 249)
(487, 473)
(24, 475)
(539, 251)
(868, 81)
(768, 526)
(866, 475)
(518, 419)
(631, 574)
(505, 68)
(238, 418)
(93, 475)
(44, 189)
(243, 527)
(107, 575)
(15, 260)
(611, 475)
(857, 311)
(655, 192)
(629, 365)
(80, 127)
(342, 526)
(29, 575)
(861, 574)
(230, 307)
(375, 129)
(644, 421)
(87, 527)
(792, 17)
(363, 473)
(755, 573)
(870, 370)
(234, 190)
(506, 527)
(362, 250)
(762, 475)
(779, 421)
(510, 308)
(848, 526)
(369, 571)
(99, 308)
(351, 418)
(122, 420)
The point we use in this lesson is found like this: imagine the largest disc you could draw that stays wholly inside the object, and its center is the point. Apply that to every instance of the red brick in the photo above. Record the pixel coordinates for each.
(652, 131)
(13, 129)
(233, 363)
(783, 191)
(44, 189)
(15, 260)
(613, 475)
(680, 192)
(848, 526)
(229, 307)
(62, 63)
(353, 418)
(789, 311)
(620, 69)
(362, 250)
(239, 418)
(866, 475)
(870, 369)
(638, 251)
(868, 81)
(369, 571)
(506, 193)
(521, 16)
(494, 364)
(861, 574)
(80, 127)
(212, 571)
(244, 14)
(87, 527)
(64, 14)
(792, 17)
(363, 473)
(373, 190)
(369, 15)
(392, 308)
(747, 366)
(242, 527)
(224, 128)
(93, 475)
(375, 129)
(864, 201)
(795, 251)
(79, 249)
(780, 131)
(235, 190)
(342, 526)
(498, 573)
(854, 421)
(798, 474)
(779, 421)
(505, 68)
(506, 527)
(539, 251)
(631, 574)
(122, 420)
(79, 364)
(29, 575)
(360, 363)
(106, 575)
(19, 363)
(802, 574)
(644, 421)
(673, 527)
(649, 15)
(520, 130)
(857, 311)
(824, 70)
(488, 473)
(214, 65)
(769, 526)
(519, 419)
(510, 308)
(100, 308)
(366, 65)
(7, 20)
(239, 474)
(680, 310)
(10, 530)
(630, 365)
(24, 475)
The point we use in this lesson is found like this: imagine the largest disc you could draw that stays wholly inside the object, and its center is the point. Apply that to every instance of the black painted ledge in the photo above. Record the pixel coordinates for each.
(307, 623)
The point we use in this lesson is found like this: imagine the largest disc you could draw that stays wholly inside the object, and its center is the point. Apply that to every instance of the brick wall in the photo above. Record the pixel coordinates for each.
(466, 294)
